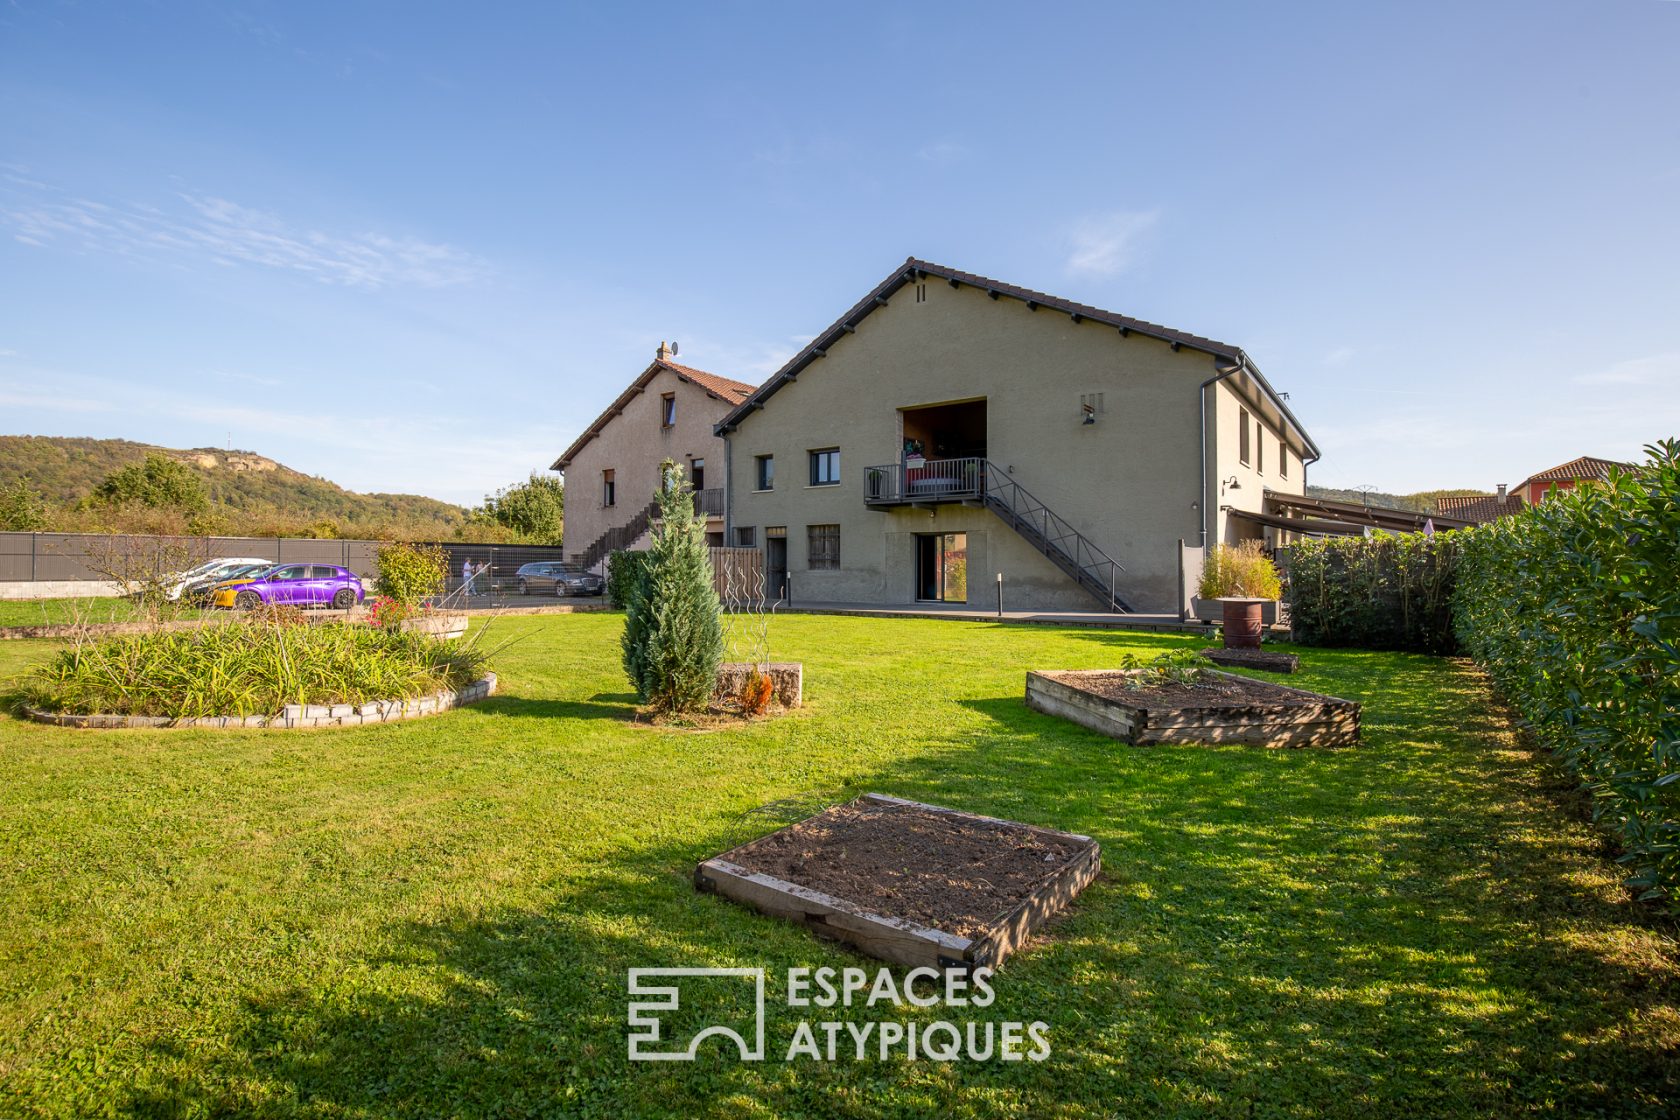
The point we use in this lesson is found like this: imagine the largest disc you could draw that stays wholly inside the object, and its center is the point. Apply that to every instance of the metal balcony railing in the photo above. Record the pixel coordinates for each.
(932, 480)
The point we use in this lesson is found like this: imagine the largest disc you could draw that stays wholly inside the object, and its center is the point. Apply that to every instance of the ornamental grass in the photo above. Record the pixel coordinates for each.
(248, 668)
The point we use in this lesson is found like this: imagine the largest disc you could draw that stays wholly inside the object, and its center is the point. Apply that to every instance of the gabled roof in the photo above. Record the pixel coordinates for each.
(720, 388)
(913, 269)
(1479, 508)
(1584, 469)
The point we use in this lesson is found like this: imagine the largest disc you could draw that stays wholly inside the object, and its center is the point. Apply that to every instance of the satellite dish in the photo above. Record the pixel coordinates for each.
(674, 350)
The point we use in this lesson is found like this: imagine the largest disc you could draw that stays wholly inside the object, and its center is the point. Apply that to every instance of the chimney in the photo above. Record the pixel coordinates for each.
(1502, 491)
(664, 353)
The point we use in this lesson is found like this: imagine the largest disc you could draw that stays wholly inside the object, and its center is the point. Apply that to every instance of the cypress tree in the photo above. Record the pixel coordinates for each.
(673, 626)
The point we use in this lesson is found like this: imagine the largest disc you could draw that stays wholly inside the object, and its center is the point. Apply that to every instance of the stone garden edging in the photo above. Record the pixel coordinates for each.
(292, 716)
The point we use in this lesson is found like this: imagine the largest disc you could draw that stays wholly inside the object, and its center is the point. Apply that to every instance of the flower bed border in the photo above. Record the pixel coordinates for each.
(291, 717)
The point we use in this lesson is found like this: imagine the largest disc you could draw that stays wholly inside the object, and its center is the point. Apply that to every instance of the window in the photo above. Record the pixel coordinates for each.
(697, 473)
(668, 410)
(1242, 424)
(609, 489)
(1259, 448)
(746, 536)
(824, 547)
(319, 571)
(1283, 459)
(296, 571)
(764, 472)
(825, 467)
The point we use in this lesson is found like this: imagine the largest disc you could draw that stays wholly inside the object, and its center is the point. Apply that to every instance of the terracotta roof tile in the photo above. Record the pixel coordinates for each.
(732, 391)
(1485, 507)
(1586, 468)
(725, 389)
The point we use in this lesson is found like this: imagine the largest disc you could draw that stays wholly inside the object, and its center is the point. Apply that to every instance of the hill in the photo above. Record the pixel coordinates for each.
(1424, 501)
(250, 494)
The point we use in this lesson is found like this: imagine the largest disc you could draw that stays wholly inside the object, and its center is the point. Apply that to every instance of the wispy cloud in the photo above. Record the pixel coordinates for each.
(1340, 356)
(199, 228)
(1106, 244)
(1654, 369)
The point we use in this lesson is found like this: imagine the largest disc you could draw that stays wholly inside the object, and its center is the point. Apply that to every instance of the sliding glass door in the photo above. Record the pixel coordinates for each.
(942, 567)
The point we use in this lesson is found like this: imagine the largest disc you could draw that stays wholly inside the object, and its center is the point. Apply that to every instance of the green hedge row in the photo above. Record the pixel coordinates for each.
(1573, 607)
(624, 573)
(1383, 592)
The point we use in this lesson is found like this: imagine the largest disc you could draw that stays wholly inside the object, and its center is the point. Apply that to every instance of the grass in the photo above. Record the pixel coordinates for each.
(247, 667)
(43, 612)
(436, 918)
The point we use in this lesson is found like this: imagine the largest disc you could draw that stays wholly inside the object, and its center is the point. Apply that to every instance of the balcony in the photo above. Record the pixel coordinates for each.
(708, 503)
(926, 484)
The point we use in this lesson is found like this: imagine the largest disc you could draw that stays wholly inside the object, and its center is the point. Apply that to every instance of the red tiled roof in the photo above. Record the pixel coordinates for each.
(732, 391)
(1480, 508)
(721, 388)
(1584, 469)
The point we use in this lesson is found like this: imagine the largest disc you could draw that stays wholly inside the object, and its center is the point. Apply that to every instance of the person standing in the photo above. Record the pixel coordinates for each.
(467, 574)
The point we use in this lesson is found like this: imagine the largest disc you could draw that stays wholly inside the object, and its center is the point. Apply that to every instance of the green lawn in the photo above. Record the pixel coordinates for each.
(38, 612)
(435, 918)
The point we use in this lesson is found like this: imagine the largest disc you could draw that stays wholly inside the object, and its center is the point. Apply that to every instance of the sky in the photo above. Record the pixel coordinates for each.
(418, 247)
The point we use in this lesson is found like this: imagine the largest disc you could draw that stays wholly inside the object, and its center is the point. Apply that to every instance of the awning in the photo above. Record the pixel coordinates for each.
(1311, 526)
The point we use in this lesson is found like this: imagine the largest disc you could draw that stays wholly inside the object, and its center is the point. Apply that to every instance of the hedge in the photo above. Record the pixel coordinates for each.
(1382, 592)
(624, 571)
(1573, 607)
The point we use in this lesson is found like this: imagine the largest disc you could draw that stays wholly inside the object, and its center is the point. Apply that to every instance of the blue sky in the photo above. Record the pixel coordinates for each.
(418, 247)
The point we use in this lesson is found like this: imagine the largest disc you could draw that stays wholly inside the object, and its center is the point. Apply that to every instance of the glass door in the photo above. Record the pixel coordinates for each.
(942, 567)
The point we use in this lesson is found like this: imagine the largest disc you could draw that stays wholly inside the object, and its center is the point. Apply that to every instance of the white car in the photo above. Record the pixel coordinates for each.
(213, 571)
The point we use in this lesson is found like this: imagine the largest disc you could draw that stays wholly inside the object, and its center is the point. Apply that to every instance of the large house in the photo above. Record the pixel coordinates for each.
(949, 428)
(612, 469)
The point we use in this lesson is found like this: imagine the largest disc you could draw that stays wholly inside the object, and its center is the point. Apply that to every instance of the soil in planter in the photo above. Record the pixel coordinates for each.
(1157, 692)
(951, 873)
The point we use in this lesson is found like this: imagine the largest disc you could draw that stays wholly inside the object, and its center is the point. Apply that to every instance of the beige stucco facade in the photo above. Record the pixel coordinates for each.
(1132, 481)
(631, 439)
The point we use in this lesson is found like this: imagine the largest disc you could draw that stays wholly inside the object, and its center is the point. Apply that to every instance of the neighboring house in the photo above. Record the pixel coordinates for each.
(1585, 471)
(612, 470)
(950, 427)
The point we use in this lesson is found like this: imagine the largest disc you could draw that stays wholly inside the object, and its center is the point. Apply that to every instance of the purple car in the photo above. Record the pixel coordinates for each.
(299, 585)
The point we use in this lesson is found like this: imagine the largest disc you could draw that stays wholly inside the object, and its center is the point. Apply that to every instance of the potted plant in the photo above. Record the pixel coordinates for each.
(1244, 581)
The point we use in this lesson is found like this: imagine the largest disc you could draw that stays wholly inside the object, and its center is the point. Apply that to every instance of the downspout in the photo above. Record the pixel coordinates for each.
(729, 482)
(1202, 496)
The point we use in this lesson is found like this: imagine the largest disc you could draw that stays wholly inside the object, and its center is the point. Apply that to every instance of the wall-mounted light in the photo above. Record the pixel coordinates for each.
(1229, 484)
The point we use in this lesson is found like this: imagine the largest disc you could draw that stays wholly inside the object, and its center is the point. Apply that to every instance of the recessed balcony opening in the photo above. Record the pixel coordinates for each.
(946, 431)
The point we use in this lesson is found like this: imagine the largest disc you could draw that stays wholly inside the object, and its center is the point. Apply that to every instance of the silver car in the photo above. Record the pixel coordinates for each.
(559, 578)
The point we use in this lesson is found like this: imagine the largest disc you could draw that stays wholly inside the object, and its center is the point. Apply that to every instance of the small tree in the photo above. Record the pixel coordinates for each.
(22, 508)
(534, 509)
(145, 567)
(408, 573)
(158, 483)
(673, 628)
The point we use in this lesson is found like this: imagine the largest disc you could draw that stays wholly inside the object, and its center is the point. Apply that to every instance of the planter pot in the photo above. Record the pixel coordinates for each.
(1213, 610)
(451, 625)
(1243, 619)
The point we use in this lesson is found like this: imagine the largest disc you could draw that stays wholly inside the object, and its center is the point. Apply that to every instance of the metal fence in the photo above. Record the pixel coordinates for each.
(70, 556)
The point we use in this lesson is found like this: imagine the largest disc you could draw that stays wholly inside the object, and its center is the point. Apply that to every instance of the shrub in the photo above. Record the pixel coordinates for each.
(1573, 607)
(624, 573)
(409, 573)
(244, 669)
(1242, 571)
(1382, 592)
(673, 626)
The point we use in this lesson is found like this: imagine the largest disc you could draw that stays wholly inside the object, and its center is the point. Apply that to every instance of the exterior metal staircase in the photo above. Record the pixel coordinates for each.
(975, 480)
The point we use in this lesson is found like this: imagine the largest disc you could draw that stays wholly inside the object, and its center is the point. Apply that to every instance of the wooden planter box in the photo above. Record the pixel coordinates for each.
(1298, 718)
(786, 677)
(897, 939)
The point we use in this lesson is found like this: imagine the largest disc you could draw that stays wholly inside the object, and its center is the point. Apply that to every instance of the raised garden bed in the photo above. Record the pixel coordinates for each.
(909, 883)
(1217, 708)
(787, 679)
(292, 717)
(1263, 659)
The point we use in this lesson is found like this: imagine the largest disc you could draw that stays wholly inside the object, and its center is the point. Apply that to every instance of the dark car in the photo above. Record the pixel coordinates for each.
(202, 592)
(298, 585)
(558, 577)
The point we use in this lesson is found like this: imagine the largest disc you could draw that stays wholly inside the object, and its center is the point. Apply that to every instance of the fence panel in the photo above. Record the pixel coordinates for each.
(738, 574)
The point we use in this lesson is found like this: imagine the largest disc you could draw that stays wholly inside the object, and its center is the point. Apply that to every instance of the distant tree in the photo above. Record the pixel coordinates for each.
(22, 508)
(158, 483)
(535, 508)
